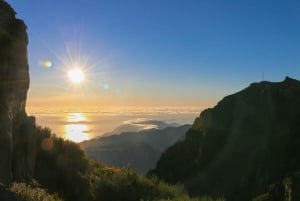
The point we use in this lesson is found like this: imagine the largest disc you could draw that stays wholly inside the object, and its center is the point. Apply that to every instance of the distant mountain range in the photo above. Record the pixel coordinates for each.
(140, 150)
(140, 124)
(247, 145)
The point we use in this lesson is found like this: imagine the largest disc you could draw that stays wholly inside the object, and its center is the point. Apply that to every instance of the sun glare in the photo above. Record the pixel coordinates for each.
(76, 129)
(76, 132)
(76, 75)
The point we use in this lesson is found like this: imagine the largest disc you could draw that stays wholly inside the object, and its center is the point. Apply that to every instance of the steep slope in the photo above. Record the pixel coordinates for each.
(248, 141)
(16, 137)
(139, 149)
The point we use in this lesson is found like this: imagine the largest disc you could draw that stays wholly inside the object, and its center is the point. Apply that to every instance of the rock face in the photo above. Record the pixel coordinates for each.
(14, 83)
(247, 142)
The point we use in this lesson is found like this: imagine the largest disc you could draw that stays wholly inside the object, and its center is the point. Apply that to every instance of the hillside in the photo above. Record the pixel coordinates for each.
(140, 150)
(247, 142)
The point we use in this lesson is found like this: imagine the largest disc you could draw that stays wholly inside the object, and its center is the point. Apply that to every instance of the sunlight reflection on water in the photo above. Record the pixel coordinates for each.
(76, 128)
(83, 124)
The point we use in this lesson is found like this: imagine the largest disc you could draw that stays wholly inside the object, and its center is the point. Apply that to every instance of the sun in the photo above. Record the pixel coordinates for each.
(76, 75)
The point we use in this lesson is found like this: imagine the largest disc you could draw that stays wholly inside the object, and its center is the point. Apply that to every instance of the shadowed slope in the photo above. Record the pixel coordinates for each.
(248, 141)
(140, 150)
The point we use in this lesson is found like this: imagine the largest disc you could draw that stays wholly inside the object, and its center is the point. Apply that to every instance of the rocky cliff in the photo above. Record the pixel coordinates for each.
(16, 136)
(247, 142)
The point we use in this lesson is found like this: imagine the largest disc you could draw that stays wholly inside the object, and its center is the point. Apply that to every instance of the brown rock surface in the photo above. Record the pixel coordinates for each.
(14, 83)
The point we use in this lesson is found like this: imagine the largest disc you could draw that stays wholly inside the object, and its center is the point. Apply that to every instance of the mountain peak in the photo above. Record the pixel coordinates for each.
(258, 94)
(4, 6)
(247, 142)
(291, 80)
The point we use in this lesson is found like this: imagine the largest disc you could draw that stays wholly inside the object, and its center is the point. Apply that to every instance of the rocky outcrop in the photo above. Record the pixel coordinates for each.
(24, 150)
(247, 142)
(14, 83)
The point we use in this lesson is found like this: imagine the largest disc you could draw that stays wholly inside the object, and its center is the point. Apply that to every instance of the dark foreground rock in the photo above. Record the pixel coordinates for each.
(14, 84)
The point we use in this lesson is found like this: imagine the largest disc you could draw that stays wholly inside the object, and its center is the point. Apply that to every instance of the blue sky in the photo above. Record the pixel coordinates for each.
(158, 52)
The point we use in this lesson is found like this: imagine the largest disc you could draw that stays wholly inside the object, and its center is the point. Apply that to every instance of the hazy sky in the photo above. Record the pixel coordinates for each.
(157, 52)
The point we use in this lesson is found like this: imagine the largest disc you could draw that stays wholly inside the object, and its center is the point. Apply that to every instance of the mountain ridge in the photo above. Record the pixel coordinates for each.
(140, 150)
(245, 143)
(136, 125)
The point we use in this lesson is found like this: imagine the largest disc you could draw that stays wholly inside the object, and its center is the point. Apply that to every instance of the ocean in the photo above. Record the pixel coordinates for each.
(84, 124)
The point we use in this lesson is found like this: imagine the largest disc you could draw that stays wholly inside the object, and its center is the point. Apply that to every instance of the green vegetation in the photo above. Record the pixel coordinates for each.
(264, 197)
(62, 168)
(123, 184)
(26, 192)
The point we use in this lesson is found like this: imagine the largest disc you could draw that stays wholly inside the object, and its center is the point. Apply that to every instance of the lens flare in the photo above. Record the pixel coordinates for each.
(46, 64)
(105, 86)
(47, 144)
